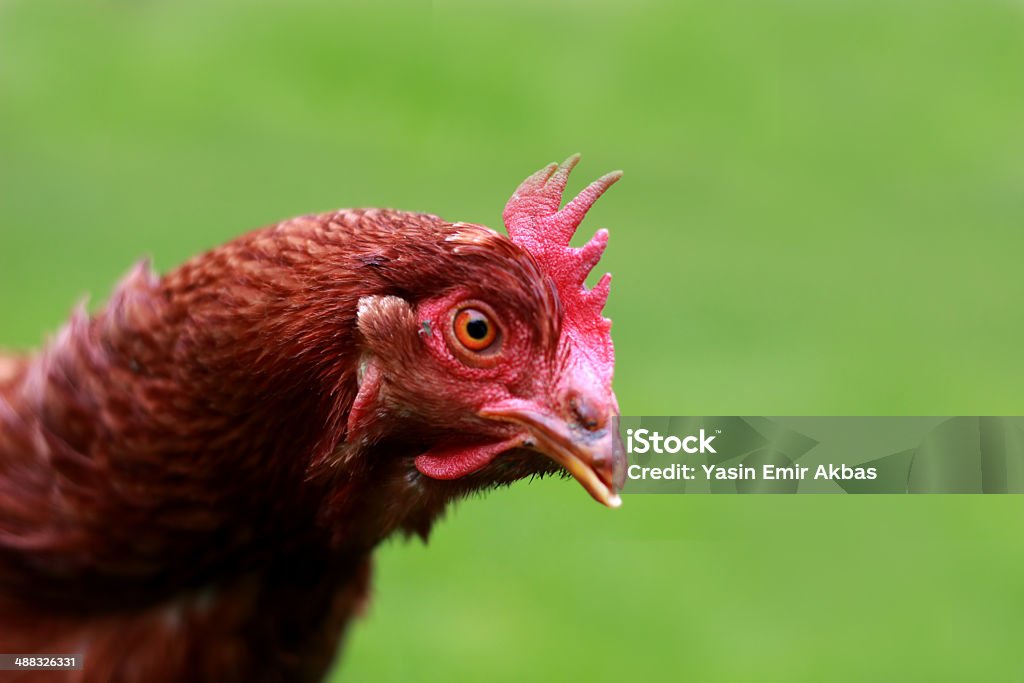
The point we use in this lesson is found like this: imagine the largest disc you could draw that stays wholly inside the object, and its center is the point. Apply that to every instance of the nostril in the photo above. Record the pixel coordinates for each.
(585, 412)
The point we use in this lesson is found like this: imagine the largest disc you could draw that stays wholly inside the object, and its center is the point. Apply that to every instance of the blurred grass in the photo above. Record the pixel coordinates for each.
(822, 214)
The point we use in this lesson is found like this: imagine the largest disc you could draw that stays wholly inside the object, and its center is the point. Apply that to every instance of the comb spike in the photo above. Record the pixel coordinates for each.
(599, 294)
(536, 224)
(572, 215)
(590, 253)
(560, 178)
(532, 215)
(540, 178)
(532, 200)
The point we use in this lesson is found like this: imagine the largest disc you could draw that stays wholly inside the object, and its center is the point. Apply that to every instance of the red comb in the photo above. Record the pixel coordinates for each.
(535, 222)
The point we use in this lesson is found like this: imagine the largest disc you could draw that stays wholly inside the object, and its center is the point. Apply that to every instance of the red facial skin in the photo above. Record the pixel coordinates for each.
(193, 479)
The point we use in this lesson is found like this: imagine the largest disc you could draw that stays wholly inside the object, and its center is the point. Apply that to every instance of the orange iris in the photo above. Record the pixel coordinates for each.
(474, 329)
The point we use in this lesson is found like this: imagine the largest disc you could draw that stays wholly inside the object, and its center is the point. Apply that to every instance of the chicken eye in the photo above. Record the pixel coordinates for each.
(474, 329)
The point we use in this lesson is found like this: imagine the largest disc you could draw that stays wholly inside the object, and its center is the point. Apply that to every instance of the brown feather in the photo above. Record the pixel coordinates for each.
(179, 499)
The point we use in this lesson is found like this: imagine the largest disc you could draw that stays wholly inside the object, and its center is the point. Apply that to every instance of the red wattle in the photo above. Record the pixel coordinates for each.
(452, 461)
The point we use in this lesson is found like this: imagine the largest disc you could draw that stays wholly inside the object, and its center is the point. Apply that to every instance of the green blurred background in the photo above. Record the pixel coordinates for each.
(822, 213)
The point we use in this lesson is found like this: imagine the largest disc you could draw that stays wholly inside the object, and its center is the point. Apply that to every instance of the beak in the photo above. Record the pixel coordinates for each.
(595, 457)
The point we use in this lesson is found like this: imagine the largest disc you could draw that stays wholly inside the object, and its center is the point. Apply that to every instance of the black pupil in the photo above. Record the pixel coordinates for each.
(477, 328)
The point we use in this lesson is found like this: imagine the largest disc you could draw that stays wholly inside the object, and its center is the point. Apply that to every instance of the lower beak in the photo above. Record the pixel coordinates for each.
(595, 458)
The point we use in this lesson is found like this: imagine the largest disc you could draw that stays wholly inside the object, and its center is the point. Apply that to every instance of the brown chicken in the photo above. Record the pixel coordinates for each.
(193, 480)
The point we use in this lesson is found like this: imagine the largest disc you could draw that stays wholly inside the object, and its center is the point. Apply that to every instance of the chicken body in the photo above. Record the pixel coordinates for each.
(192, 481)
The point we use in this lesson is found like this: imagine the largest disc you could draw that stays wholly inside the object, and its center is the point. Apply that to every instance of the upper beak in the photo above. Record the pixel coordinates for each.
(594, 456)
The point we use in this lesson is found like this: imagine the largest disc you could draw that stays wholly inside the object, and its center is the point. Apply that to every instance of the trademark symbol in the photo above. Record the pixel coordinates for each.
(718, 431)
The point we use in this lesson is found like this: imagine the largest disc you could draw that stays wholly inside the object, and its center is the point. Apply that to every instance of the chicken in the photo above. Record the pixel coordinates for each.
(193, 480)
